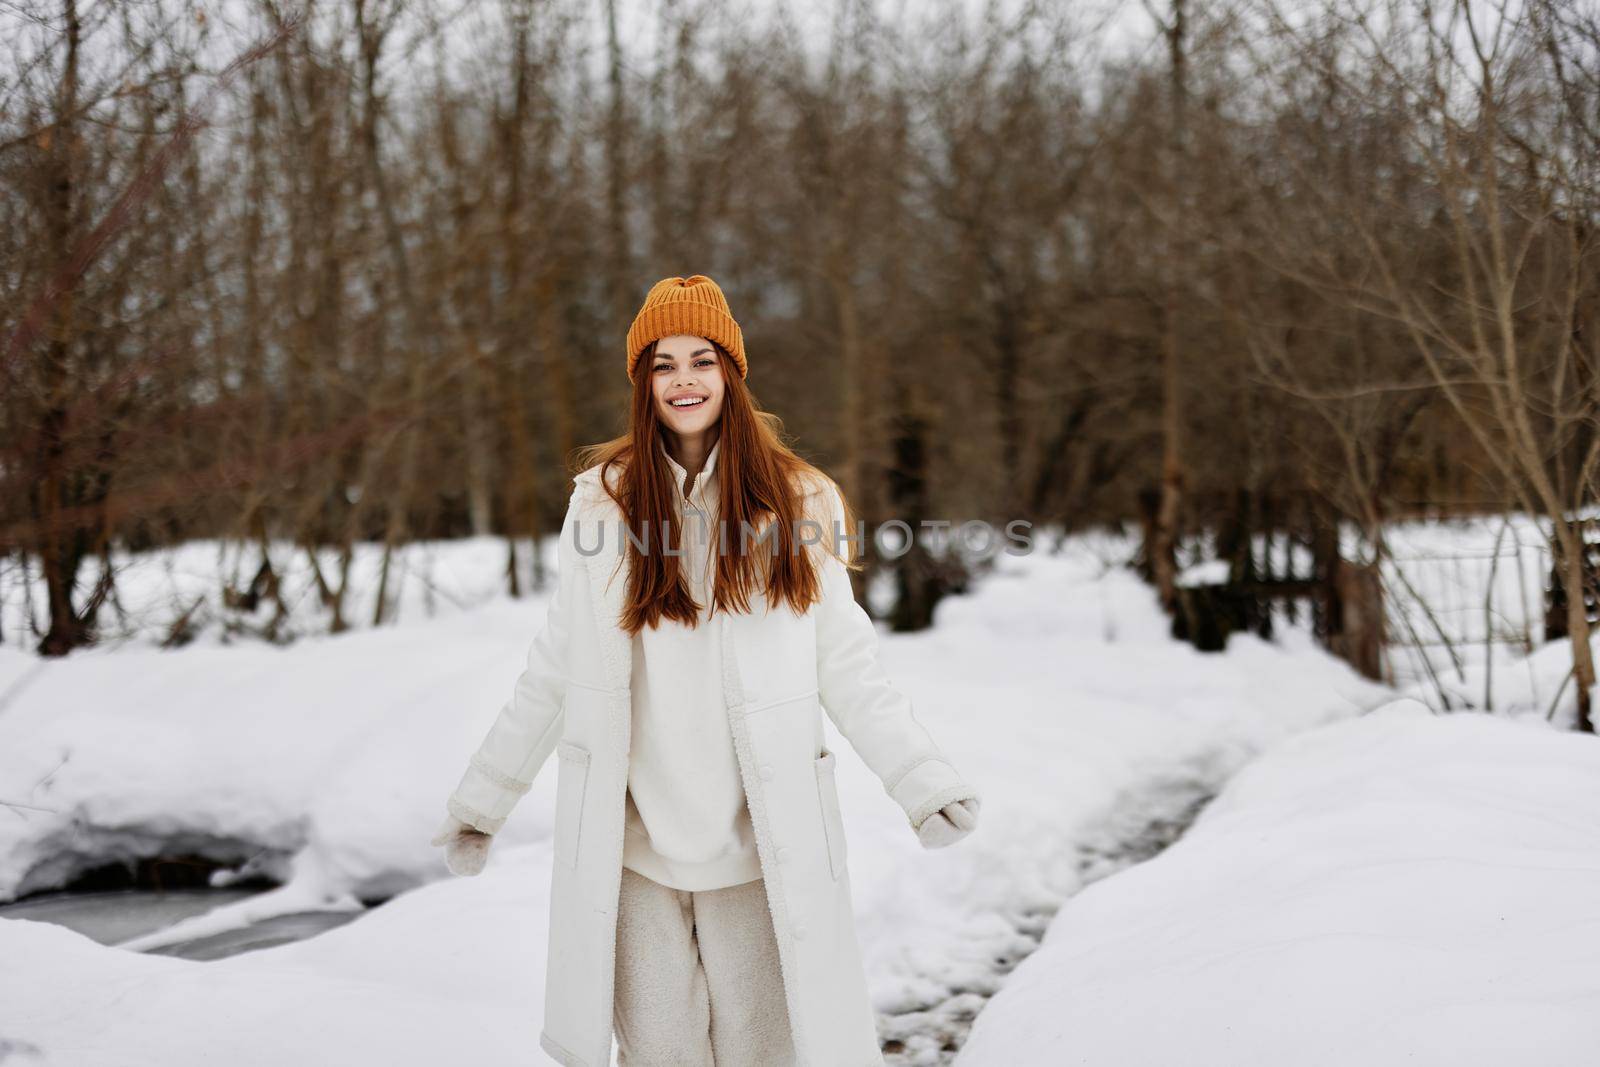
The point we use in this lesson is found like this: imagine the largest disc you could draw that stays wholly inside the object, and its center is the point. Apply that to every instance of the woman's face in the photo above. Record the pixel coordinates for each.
(686, 381)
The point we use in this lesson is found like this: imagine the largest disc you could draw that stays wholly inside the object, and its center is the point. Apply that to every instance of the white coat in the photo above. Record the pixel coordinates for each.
(780, 672)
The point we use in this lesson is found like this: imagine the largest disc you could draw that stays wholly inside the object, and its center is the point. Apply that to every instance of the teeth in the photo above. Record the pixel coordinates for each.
(688, 402)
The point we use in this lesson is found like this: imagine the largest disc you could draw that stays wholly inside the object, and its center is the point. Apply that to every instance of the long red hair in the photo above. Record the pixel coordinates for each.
(760, 480)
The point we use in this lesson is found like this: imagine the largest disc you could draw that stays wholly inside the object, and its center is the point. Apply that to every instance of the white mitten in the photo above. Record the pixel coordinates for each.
(466, 848)
(949, 824)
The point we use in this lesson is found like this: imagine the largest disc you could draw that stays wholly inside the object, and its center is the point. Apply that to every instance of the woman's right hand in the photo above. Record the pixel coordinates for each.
(466, 848)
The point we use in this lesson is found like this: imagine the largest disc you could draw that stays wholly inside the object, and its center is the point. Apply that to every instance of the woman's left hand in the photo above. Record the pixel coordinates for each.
(949, 824)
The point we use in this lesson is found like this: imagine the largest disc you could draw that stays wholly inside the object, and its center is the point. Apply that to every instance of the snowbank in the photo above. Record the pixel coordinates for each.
(1401, 888)
(453, 973)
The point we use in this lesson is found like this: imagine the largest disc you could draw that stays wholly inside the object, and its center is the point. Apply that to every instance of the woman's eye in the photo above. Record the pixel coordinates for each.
(703, 363)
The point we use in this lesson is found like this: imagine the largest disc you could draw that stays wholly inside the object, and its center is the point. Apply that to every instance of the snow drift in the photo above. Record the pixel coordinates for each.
(1401, 888)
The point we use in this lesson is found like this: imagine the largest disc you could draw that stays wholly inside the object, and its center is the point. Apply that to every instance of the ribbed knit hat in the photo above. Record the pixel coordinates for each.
(693, 305)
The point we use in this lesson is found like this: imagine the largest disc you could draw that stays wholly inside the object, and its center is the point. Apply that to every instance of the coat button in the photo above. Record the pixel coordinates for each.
(766, 772)
(799, 930)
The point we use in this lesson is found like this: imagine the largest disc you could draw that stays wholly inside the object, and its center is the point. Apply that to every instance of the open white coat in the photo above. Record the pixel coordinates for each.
(780, 672)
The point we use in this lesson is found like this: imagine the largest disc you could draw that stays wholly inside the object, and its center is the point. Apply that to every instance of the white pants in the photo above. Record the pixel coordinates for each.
(698, 982)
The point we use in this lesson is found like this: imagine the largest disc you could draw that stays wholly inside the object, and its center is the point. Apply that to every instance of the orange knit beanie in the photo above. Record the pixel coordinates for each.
(693, 305)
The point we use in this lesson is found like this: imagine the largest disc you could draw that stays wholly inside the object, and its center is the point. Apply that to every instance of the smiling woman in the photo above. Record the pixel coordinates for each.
(700, 895)
(686, 380)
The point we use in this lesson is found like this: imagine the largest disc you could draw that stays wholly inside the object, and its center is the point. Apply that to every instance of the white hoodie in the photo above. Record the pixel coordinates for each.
(687, 824)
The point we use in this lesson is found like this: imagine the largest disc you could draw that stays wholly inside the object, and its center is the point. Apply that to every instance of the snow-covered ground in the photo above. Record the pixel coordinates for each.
(1403, 888)
(187, 592)
(1053, 685)
(1464, 597)
(1463, 600)
(1465, 605)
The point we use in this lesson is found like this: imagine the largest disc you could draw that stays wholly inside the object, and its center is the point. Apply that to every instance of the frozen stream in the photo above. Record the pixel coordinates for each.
(118, 915)
(1144, 821)
(1137, 828)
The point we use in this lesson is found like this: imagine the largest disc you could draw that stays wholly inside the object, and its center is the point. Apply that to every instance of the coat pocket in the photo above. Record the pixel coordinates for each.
(832, 821)
(571, 778)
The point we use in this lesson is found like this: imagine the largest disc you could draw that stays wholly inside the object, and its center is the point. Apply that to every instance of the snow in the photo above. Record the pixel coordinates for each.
(446, 975)
(155, 590)
(1054, 686)
(1399, 888)
(1465, 602)
(1210, 572)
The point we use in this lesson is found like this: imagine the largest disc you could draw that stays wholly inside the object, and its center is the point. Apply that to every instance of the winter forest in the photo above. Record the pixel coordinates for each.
(1275, 322)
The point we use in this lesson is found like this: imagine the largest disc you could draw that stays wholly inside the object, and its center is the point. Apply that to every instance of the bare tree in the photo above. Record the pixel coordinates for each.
(1486, 284)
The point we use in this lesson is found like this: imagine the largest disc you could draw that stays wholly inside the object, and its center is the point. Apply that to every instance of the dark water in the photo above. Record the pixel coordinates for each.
(113, 916)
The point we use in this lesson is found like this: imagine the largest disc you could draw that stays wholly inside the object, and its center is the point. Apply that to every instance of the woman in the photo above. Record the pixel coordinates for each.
(700, 900)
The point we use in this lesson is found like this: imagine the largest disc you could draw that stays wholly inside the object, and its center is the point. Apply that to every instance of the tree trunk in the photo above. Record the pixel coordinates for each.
(1163, 554)
(1569, 536)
